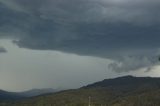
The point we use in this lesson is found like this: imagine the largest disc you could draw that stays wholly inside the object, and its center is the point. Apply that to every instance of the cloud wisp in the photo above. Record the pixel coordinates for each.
(3, 50)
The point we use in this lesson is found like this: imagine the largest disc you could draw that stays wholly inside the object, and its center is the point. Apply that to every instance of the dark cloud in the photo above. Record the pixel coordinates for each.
(124, 31)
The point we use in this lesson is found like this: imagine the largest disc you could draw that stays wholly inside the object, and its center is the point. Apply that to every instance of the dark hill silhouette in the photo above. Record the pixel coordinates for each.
(127, 83)
(7, 96)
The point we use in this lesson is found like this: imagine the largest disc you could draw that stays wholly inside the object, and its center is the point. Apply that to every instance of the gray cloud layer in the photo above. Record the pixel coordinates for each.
(125, 31)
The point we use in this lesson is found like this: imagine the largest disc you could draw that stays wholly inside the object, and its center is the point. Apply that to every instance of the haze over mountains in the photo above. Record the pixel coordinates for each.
(122, 91)
(36, 92)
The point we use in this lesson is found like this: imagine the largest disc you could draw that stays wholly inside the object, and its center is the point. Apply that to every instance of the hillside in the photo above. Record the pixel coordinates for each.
(127, 83)
(122, 91)
(8, 96)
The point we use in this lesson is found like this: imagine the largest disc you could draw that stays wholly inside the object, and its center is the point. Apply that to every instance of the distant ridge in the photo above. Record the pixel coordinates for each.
(37, 92)
(11, 96)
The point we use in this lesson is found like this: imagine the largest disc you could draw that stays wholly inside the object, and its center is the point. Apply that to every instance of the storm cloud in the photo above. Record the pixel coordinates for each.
(124, 31)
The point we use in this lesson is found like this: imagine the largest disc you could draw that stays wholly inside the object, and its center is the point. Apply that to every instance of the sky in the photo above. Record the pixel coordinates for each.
(67, 44)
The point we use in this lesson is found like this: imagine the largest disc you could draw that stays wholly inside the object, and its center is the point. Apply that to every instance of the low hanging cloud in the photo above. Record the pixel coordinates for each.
(124, 31)
(3, 50)
(131, 63)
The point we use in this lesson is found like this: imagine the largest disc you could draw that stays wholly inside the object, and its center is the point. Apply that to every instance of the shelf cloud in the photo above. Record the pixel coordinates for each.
(124, 31)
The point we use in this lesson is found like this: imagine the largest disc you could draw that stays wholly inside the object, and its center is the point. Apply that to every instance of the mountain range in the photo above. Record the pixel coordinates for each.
(121, 91)
(12, 96)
